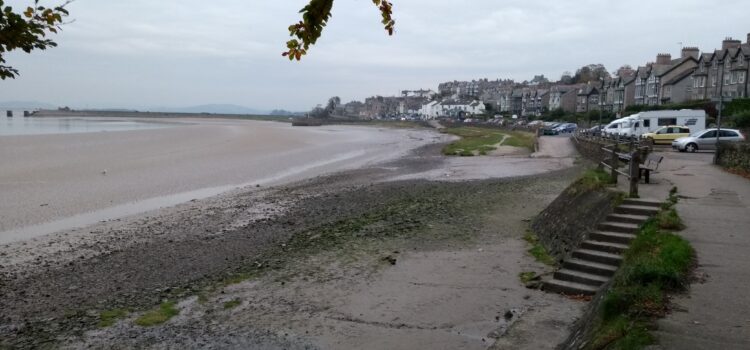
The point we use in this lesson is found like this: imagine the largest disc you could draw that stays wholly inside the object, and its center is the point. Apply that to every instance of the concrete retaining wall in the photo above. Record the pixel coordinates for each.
(566, 222)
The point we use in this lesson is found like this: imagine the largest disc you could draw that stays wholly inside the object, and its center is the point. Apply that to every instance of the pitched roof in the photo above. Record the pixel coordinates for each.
(679, 77)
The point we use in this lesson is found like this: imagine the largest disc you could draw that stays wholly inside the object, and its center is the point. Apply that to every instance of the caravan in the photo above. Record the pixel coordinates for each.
(646, 122)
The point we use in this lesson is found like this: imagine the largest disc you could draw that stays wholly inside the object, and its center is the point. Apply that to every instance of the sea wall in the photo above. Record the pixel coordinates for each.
(590, 149)
(563, 226)
(566, 222)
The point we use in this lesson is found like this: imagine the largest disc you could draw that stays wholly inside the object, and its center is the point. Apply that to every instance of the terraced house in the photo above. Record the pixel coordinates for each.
(588, 98)
(724, 72)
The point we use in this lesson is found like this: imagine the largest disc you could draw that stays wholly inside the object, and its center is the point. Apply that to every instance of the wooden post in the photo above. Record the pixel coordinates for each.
(614, 162)
(635, 169)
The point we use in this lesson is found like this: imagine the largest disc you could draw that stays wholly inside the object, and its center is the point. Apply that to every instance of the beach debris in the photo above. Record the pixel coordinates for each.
(104, 172)
(390, 259)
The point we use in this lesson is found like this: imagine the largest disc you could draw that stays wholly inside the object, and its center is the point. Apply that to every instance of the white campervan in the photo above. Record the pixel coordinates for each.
(616, 127)
(645, 122)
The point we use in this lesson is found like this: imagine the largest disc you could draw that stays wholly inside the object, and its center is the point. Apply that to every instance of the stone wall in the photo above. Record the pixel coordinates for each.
(735, 156)
(566, 222)
(590, 149)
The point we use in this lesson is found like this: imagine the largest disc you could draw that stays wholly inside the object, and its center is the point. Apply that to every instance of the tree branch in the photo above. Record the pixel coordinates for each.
(315, 16)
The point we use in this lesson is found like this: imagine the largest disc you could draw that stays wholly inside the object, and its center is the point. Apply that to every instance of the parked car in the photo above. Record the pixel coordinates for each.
(595, 130)
(667, 134)
(566, 127)
(549, 131)
(706, 140)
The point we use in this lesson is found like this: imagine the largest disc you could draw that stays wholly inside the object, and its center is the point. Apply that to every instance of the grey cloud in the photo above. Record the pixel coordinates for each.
(143, 53)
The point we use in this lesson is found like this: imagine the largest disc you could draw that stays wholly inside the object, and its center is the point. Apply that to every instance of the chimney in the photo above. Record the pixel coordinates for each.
(730, 43)
(748, 38)
(663, 58)
(693, 52)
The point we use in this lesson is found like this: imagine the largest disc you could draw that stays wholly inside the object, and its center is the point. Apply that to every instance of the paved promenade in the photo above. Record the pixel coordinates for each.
(715, 313)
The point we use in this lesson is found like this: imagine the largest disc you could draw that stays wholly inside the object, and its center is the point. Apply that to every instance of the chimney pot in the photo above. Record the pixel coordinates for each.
(730, 43)
(663, 58)
(691, 51)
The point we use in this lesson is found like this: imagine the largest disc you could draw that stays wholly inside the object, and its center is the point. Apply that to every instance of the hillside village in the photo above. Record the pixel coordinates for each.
(693, 77)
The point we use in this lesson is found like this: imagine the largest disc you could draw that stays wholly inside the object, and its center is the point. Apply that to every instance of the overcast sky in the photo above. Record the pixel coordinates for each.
(146, 53)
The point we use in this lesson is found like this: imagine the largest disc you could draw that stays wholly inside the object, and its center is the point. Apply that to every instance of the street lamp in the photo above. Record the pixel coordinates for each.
(721, 106)
(600, 103)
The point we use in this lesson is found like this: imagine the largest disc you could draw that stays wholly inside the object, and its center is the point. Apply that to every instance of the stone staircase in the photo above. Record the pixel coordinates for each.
(598, 258)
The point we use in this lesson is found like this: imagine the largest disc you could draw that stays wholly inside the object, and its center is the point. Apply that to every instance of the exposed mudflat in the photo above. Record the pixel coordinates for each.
(360, 259)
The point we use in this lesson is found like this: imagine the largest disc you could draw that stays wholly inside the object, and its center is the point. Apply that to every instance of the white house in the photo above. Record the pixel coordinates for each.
(430, 110)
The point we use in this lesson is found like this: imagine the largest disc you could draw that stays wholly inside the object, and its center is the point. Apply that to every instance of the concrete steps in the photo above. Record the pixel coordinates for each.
(627, 218)
(598, 258)
(607, 247)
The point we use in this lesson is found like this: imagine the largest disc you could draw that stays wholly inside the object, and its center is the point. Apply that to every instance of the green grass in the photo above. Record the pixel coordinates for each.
(669, 220)
(538, 251)
(591, 180)
(658, 262)
(232, 304)
(480, 141)
(163, 313)
(110, 317)
(527, 276)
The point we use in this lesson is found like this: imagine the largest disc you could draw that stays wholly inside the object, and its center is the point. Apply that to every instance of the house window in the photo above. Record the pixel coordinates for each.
(734, 77)
(740, 60)
(741, 78)
(713, 80)
(647, 123)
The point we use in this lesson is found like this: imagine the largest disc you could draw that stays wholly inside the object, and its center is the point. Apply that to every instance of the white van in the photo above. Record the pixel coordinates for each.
(645, 122)
(617, 127)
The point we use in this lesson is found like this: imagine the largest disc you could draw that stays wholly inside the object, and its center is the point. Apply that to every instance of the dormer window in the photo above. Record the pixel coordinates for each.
(740, 60)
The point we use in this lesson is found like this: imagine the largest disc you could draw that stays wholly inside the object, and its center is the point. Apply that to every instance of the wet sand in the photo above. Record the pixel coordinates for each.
(55, 182)
(354, 259)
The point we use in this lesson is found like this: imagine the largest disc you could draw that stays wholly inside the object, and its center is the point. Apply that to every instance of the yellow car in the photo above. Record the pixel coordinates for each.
(667, 134)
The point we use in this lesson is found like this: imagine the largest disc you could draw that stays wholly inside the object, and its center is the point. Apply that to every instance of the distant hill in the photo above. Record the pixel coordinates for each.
(26, 105)
(210, 108)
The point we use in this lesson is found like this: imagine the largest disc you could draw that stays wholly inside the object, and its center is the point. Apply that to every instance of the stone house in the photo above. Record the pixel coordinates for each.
(588, 98)
(624, 94)
(724, 70)
(650, 80)
(563, 97)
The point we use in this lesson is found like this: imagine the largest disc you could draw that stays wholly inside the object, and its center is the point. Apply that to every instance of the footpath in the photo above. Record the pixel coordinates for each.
(715, 207)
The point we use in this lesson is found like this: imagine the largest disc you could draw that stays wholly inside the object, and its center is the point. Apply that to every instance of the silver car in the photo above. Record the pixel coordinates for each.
(706, 140)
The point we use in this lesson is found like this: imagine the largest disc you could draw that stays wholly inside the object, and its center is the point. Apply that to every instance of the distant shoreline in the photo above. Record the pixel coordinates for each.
(43, 113)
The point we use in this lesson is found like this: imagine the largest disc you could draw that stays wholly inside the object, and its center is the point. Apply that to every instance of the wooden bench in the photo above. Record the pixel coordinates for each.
(651, 164)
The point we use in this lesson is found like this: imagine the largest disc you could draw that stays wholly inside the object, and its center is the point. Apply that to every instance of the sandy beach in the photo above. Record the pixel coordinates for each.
(55, 182)
(372, 240)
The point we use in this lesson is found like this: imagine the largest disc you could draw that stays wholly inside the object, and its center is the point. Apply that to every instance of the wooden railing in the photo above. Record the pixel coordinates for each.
(612, 151)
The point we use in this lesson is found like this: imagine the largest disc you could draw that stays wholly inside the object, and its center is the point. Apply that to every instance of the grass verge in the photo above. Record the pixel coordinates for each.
(480, 141)
(163, 313)
(658, 262)
(538, 251)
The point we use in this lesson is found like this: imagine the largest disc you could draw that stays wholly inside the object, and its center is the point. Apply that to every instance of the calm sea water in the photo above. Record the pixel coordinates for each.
(18, 125)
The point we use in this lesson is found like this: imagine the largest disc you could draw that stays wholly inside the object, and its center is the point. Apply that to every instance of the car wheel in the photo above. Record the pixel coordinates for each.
(691, 147)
